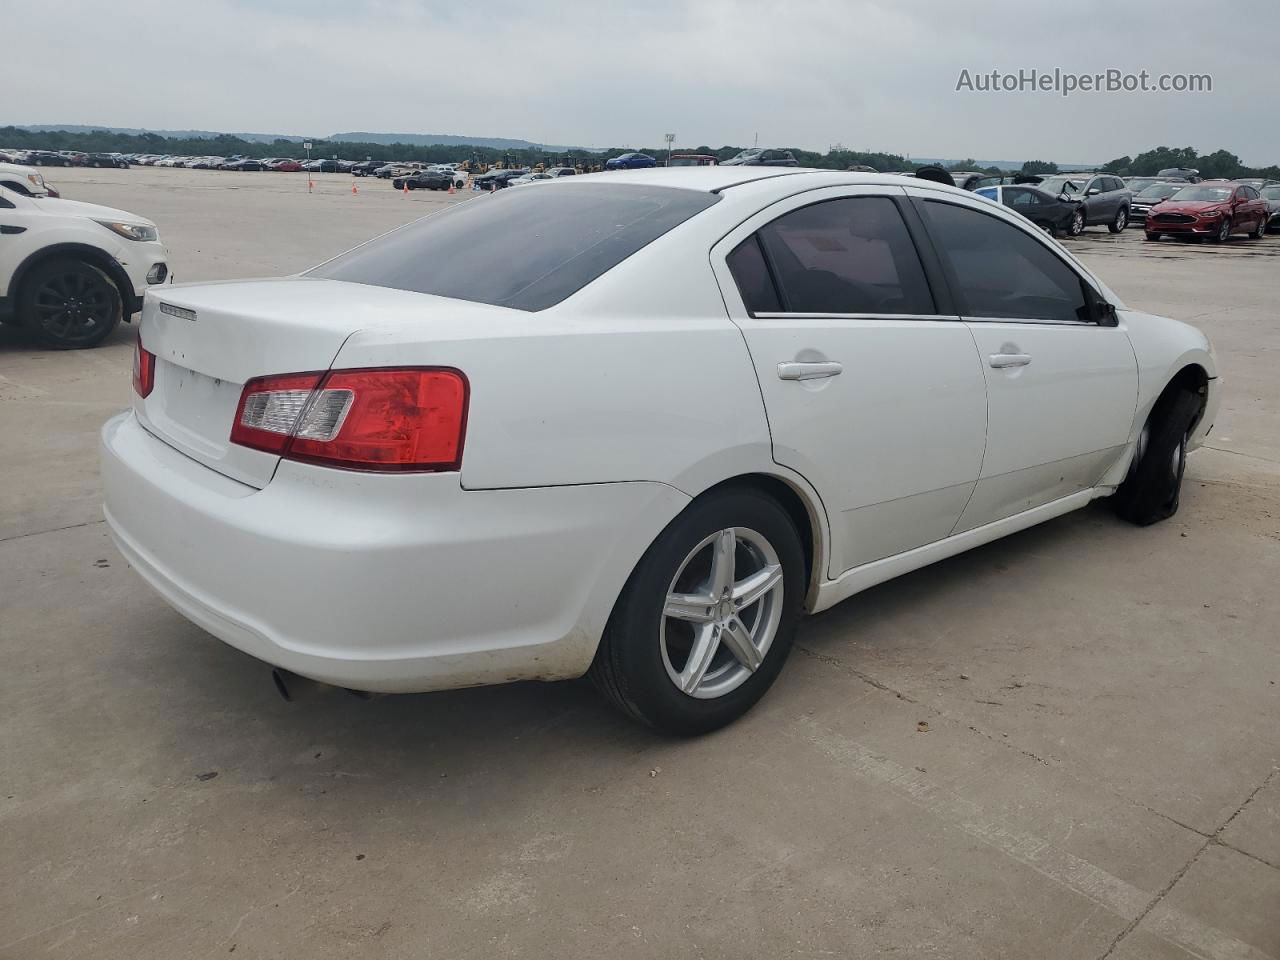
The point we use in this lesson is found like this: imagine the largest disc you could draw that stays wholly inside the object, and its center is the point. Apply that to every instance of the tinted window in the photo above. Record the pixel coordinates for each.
(1019, 198)
(752, 277)
(1250, 193)
(527, 249)
(852, 255)
(1000, 271)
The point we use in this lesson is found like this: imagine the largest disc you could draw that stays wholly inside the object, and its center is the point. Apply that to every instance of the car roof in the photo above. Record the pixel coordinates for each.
(710, 179)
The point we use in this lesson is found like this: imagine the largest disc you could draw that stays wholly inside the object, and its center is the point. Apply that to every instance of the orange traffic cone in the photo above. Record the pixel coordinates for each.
(353, 189)
(452, 187)
(310, 185)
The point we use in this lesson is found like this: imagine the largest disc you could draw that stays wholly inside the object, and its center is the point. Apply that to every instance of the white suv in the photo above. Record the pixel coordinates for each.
(70, 271)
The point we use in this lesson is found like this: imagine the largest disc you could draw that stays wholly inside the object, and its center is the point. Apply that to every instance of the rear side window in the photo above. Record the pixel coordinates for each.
(851, 255)
(1000, 271)
(526, 249)
(750, 273)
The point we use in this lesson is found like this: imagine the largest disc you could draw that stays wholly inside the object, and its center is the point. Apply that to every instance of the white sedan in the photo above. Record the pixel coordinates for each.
(683, 408)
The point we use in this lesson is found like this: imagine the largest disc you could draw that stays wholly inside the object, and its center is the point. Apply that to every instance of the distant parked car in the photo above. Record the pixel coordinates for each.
(46, 158)
(762, 157)
(1189, 174)
(1047, 211)
(498, 179)
(243, 164)
(1213, 210)
(285, 165)
(1272, 196)
(1106, 198)
(424, 180)
(321, 166)
(106, 160)
(207, 163)
(557, 172)
(692, 160)
(531, 177)
(974, 179)
(630, 161)
(1144, 200)
(365, 167)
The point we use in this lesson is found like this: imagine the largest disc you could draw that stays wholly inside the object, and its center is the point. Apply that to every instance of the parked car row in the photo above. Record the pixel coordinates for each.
(63, 158)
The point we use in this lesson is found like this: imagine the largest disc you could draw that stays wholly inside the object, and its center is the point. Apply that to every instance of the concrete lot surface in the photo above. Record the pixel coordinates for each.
(1098, 777)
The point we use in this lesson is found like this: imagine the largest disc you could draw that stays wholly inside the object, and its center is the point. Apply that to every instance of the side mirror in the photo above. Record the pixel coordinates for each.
(1093, 191)
(1104, 313)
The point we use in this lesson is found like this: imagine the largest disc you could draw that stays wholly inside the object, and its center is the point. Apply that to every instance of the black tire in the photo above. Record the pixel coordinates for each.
(1152, 236)
(1120, 222)
(629, 668)
(69, 304)
(1259, 230)
(1224, 231)
(1077, 223)
(1151, 490)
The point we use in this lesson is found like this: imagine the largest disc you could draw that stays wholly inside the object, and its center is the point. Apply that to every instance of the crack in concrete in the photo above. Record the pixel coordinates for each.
(865, 678)
(41, 533)
(1213, 840)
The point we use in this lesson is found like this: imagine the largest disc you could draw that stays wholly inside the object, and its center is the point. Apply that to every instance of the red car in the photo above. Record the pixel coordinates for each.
(287, 166)
(1214, 209)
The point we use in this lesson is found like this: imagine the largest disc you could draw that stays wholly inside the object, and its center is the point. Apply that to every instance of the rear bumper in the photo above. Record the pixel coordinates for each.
(382, 583)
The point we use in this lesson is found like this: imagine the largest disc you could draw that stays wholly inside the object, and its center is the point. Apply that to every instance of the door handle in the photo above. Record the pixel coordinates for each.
(809, 370)
(1002, 360)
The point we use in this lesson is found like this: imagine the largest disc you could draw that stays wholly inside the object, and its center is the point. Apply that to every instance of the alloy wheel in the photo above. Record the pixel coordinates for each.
(73, 305)
(721, 613)
(1077, 223)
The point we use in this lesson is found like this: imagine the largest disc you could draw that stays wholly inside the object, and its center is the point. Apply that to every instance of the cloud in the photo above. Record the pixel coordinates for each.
(869, 74)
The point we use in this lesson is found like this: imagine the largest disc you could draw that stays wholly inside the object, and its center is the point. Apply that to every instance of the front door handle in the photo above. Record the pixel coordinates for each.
(1002, 360)
(809, 370)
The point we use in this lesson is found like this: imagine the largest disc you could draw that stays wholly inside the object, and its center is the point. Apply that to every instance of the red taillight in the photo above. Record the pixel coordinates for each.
(144, 370)
(407, 420)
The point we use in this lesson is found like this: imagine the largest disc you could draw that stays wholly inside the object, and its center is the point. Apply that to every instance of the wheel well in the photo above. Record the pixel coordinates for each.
(76, 251)
(1193, 379)
(796, 506)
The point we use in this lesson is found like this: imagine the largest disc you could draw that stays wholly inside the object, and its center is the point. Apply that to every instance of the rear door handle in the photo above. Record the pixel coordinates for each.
(809, 369)
(1002, 360)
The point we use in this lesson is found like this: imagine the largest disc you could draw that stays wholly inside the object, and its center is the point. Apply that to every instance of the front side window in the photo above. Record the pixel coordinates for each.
(526, 249)
(851, 255)
(1001, 271)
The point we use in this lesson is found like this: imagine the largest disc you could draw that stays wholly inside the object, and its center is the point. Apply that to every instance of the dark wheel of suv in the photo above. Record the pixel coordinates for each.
(1151, 491)
(1152, 236)
(703, 626)
(69, 304)
(1257, 232)
(1120, 222)
(1224, 231)
(1075, 226)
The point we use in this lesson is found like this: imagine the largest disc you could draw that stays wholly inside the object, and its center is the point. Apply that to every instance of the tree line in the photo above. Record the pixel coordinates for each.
(1220, 163)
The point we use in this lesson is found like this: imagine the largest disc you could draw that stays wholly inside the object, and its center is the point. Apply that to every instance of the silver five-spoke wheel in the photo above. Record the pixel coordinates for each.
(721, 613)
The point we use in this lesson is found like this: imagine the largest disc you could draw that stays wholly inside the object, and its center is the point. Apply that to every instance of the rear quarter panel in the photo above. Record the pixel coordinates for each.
(594, 392)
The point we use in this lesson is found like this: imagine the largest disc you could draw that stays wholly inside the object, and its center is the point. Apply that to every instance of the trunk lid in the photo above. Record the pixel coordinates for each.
(209, 339)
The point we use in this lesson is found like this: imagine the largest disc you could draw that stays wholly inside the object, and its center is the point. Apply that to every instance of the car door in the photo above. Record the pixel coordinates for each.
(872, 387)
(1062, 380)
(1097, 207)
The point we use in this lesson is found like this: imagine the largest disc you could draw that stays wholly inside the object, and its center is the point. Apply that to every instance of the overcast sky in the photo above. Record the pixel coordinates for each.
(871, 74)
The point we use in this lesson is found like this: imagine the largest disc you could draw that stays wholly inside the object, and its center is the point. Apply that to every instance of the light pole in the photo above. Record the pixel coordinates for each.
(671, 138)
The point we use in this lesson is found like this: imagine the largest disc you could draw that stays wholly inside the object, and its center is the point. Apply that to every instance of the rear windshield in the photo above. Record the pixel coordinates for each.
(526, 249)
